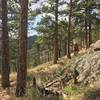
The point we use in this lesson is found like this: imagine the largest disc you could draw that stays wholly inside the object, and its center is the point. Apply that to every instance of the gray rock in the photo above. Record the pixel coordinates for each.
(88, 66)
(96, 45)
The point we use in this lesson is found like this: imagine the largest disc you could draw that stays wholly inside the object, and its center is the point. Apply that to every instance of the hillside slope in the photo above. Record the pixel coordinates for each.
(86, 63)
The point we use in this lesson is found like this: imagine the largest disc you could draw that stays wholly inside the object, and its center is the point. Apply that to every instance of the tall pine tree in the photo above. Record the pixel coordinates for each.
(22, 63)
(5, 47)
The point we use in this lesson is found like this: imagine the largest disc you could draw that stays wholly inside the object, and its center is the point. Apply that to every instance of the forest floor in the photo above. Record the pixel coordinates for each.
(48, 72)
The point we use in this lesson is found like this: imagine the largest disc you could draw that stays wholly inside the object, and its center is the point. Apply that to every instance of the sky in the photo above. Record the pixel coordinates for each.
(32, 25)
(37, 5)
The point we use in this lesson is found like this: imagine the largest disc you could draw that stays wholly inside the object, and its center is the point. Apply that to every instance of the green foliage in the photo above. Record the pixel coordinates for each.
(72, 90)
(31, 40)
(31, 93)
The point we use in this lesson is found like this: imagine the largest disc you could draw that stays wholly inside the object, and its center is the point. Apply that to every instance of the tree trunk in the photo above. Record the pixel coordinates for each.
(65, 45)
(86, 33)
(22, 66)
(69, 30)
(38, 49)
(5, 47)
(56, 48)
(59, 48)
(81, 40)
(90, 32)
(86, 25)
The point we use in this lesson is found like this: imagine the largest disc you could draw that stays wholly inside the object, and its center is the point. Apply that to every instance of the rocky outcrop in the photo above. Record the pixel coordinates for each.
(88, 66)
(96, 46)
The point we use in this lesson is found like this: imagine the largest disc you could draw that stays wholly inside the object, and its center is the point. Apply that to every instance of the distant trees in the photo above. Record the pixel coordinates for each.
(89, 16)
(90, 5)
(79, 24)
(5, 47)
(47, 27)
(22, 62)
(51, 28)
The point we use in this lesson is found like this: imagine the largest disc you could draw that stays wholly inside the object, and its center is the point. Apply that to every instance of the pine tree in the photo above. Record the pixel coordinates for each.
(56, 47)
(22, 64)
(5, 47)
(69, 29)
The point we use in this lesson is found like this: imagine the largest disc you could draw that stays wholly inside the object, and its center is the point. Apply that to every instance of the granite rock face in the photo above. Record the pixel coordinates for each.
(96, 45)
(88, 66)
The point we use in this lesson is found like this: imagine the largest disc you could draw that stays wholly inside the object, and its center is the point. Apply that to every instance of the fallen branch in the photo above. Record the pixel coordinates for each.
(65, 78)
(45, 90)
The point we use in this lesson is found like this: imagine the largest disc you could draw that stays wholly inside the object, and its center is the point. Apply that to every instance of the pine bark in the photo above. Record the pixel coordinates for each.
(86, 27)
(22, 66)
(90, 31)
(69, 31)
(88, 35)
(5, 47)
(56, 47)
(65, 47)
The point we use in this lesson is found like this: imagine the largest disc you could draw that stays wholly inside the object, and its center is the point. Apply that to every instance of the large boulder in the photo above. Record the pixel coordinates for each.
(88, 66)
(96, 46)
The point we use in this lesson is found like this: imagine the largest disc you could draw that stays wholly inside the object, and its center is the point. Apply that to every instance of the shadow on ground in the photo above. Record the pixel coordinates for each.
(92, 95)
